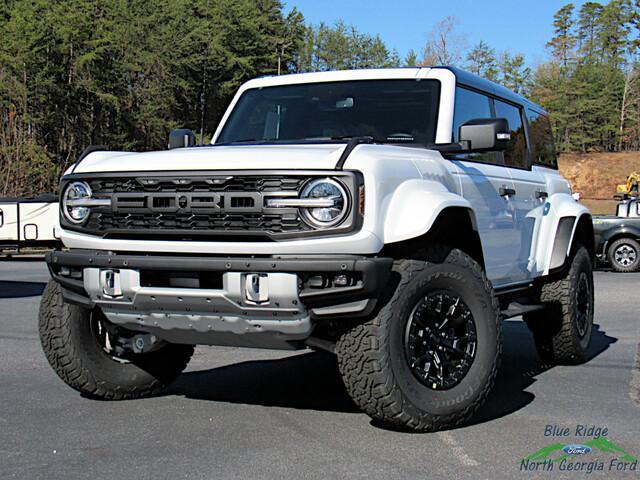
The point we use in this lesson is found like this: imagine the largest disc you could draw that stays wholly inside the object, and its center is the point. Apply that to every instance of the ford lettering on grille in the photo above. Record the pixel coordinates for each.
(188, 202)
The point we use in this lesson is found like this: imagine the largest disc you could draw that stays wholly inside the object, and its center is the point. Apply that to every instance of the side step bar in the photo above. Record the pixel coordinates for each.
(515, 309)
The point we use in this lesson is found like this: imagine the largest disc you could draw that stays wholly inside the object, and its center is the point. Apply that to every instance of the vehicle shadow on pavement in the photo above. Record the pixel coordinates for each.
(308, 381)
(520, 367)
(311, 381)
(11, 289)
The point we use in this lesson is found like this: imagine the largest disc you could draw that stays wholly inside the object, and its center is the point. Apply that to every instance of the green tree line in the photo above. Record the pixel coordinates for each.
(123, 73)
(592, 84)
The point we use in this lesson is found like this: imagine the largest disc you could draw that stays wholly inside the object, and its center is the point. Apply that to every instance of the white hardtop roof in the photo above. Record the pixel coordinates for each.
(437, 72)
(337, 76)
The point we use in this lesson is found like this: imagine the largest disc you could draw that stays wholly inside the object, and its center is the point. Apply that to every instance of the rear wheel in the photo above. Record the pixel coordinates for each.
(429, 358)
(562, 331)
(94, 357)
(624, 255)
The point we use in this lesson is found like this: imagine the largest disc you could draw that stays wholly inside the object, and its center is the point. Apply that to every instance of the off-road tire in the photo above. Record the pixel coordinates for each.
(79, 360)
(372, 360)
(631, 244)
(555, 329)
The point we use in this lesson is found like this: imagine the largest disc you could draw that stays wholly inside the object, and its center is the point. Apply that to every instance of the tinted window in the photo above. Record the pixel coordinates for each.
(516, 153)
(543, 151)
(470, 105)
(396, 111)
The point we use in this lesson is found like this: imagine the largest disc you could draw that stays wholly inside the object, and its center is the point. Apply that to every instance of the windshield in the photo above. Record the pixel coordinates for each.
(394, 111)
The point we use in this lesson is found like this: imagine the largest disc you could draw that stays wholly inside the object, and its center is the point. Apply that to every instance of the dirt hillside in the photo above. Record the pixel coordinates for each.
(596, 175)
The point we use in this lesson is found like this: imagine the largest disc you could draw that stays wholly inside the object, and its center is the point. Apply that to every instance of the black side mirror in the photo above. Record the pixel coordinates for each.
(485, 134)
(181, 138)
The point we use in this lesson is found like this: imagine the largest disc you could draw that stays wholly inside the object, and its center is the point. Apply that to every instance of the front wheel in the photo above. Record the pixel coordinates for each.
(83, 349)
(429, 358)
(624, 255)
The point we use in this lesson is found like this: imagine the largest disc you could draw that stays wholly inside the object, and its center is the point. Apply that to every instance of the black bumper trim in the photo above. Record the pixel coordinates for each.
(374, 271)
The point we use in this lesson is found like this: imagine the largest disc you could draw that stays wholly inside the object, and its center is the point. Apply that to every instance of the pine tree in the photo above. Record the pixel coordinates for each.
(341, 47)
(514, 71)
(411, 59)
(563, 43)
(589, 24)
(615, 21)
(481, 60)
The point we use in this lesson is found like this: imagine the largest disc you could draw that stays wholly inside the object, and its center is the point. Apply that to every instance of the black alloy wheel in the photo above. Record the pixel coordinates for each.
(440, 340)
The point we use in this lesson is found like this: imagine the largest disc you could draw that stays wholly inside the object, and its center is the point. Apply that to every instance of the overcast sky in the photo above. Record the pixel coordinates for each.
(518, 26)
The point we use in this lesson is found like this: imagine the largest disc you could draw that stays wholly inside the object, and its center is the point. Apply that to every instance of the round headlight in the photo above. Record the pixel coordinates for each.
(76, 191)
(336, 197)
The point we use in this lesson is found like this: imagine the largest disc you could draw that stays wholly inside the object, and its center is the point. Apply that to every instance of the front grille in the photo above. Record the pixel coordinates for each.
(241, 222)
(213, 183)
(224, 206)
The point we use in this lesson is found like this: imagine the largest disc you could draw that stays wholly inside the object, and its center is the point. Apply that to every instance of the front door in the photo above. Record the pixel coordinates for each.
(488, 188)
(528, 197)
(486, 183)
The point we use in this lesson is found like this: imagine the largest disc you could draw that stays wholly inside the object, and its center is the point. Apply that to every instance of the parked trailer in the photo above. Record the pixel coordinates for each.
(29, 222)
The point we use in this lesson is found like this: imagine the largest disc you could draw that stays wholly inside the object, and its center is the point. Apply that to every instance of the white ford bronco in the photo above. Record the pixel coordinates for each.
(393, 217)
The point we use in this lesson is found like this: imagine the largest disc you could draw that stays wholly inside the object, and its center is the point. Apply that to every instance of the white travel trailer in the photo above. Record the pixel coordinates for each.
(29, 222)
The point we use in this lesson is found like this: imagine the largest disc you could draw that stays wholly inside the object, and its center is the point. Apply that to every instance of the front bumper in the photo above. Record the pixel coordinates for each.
(362, 242)
(204, 299)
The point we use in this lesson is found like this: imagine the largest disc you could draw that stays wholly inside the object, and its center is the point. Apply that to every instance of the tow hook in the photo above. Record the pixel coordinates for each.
(256, 287)
(110, 283)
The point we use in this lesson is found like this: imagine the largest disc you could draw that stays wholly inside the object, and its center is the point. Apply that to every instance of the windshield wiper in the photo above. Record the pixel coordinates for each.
(390, 139)
(335, 138)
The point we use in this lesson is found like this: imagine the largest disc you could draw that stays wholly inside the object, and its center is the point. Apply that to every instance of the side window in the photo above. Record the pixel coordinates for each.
(516, 153)
(470, 105)
(543, 150)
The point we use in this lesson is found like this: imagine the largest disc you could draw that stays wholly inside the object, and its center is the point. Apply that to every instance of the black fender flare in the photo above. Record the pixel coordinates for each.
(570, 230)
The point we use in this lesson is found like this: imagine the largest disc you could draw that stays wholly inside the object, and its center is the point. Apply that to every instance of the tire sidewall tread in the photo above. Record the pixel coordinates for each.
(370, 354)
(555, 330)
(78, 359)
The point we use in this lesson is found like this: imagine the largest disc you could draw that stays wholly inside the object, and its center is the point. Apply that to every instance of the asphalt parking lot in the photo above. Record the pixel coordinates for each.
(260, 414)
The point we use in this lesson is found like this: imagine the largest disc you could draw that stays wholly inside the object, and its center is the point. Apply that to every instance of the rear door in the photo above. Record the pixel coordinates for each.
(529, 191)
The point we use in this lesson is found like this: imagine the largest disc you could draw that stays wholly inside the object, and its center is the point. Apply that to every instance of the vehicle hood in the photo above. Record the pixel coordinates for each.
(256, 157)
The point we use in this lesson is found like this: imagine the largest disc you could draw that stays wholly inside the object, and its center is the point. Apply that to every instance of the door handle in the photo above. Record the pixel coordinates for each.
(541, 194)
(507, 192)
